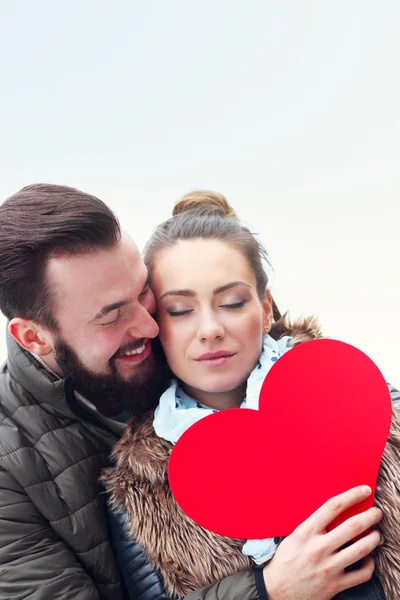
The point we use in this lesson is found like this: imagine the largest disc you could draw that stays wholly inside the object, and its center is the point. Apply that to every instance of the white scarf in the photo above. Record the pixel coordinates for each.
(177, 411)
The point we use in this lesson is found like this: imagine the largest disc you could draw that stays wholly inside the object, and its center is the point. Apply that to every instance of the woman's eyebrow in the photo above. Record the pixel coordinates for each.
(228, 286)
(192, 293)
(188, 293)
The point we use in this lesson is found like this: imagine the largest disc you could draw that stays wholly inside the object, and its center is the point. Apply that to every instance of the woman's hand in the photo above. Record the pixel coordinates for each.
(308, 565)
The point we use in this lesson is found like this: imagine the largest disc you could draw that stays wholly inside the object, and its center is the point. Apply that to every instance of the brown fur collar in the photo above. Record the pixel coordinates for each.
(186, 555)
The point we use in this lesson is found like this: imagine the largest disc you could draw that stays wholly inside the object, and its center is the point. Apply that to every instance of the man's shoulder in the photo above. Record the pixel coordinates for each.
(5, 391)
(10, 405)
(22, 418)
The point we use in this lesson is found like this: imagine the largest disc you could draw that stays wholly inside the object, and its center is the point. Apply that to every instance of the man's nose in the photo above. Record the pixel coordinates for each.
(143, 325)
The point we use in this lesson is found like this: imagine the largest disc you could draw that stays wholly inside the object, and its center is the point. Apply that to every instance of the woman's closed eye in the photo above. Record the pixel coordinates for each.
(179, 312)
(239, 304)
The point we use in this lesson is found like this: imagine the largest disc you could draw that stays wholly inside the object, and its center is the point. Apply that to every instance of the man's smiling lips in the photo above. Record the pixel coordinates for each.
(215, 358)
(135, 354)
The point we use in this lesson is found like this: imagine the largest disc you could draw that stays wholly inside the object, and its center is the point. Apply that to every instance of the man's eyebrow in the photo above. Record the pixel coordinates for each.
(109, 308)
(191, 293)
(115, 305)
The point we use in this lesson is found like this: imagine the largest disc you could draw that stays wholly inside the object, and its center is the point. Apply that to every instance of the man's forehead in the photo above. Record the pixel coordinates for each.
(99, 277)
(122, 254)
(128, 242)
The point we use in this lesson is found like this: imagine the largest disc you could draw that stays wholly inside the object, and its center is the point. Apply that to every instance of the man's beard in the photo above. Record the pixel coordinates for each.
(110, 393)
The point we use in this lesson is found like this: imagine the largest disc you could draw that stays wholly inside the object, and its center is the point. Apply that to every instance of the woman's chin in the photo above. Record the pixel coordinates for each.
(225, 387)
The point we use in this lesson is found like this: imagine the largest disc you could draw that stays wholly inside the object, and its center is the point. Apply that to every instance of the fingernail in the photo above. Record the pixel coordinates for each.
(366, 490)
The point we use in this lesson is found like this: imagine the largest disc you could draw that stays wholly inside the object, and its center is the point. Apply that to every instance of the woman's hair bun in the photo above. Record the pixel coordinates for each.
(204, 202)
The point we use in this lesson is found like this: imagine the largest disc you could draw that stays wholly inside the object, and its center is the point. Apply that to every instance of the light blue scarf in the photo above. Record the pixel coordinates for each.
(177, 411)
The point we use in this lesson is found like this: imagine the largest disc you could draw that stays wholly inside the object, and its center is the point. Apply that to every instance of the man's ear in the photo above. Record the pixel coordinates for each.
(31, 336)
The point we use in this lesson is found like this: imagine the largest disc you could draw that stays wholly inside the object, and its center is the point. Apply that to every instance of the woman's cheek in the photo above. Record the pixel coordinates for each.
(252, 330)
(166, 334)
(173, 340)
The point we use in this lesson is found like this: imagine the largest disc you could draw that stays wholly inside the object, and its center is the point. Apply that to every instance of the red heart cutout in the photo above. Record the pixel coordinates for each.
(323, 420)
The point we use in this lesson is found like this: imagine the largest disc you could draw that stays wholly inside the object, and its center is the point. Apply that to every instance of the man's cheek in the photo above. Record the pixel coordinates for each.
(100, 352)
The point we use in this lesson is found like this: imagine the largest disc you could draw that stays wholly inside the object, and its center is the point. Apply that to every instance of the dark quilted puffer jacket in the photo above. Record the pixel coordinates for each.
(145, 583)
(54, 538)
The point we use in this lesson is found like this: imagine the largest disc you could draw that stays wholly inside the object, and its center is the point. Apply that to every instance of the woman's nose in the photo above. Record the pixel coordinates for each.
(210, 328)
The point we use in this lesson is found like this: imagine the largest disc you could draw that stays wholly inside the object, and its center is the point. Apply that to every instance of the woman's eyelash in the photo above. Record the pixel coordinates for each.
(180, 313)
(234, 304)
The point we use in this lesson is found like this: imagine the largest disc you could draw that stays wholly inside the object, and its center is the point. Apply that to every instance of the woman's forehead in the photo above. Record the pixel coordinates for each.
(190, 263)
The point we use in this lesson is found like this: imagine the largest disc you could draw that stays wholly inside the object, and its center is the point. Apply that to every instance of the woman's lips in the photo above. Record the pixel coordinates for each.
(215, 359)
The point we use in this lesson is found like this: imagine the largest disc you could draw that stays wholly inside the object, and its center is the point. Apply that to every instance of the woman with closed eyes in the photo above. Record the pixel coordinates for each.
(221, 332)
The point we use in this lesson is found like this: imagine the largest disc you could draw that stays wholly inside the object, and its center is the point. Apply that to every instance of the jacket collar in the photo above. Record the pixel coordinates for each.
(36, 379)
(55, 393)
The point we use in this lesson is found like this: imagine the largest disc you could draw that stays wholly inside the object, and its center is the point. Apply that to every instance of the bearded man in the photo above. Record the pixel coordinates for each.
(80, 359)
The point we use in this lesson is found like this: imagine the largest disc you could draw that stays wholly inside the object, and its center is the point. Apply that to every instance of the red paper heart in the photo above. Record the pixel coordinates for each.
(323, 421)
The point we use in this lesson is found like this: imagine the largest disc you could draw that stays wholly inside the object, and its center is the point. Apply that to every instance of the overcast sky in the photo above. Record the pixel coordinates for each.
(289, 108)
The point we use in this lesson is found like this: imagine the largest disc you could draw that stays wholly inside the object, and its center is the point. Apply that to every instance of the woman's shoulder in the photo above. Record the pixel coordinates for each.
(300, 330)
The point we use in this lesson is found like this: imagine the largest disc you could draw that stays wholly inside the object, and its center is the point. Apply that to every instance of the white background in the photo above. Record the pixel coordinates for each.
(289, 108)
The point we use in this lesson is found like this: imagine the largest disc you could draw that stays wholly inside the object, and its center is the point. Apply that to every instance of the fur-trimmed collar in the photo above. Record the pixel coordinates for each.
(189, 557)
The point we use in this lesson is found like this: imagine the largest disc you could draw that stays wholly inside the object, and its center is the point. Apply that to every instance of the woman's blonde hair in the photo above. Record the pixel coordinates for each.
(200, 200)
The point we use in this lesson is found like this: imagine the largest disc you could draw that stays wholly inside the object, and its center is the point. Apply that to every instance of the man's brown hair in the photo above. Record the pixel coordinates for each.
(40, 222)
